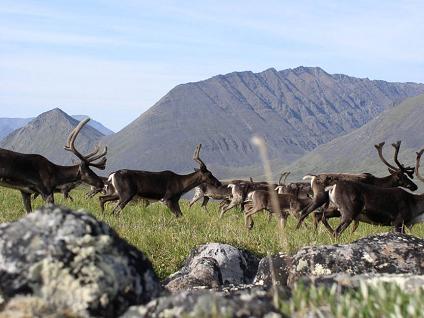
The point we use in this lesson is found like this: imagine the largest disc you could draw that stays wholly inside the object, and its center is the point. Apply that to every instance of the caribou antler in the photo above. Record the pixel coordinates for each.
(285, 175)
(408, 170)
(417, 165)
(379, 148)
(197, 158)
(92, 156)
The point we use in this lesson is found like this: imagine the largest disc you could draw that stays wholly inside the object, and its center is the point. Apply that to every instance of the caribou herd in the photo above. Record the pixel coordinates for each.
(349, 197)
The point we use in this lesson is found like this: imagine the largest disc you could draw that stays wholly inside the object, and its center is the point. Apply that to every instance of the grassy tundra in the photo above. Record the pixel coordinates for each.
(167, 242)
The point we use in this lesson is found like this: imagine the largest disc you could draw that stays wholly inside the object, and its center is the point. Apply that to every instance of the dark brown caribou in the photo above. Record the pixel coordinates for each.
(164, 186)
(399, 177)
(396, 207)
(33, 173)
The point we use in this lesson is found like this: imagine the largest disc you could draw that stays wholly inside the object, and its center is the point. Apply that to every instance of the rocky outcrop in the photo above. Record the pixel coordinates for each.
(70, 261)
(212, 265)
(203, 303)
(390, 253)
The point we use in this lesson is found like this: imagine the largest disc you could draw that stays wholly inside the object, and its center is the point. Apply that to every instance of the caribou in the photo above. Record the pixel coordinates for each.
(241, 190)
(396, 207)
(164, 186)
(399, 176)
(288, 203)
(207, 191)
(33, 173)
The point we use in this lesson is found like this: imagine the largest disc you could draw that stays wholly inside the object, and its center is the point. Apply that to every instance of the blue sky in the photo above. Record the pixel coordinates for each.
(112, 60)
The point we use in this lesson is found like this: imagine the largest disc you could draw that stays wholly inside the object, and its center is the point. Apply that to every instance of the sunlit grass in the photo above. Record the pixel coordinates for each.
(167, 240)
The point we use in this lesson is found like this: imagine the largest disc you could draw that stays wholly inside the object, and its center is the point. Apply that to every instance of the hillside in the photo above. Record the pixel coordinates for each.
(355, 151)
(7, 125)
(47, 134)
(295, 110)
(95, 124)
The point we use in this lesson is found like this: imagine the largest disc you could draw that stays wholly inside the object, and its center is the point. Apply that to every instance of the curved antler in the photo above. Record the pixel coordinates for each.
(92, 156)
(379, 148)
(417, 165)
(408, 170)
(284, 174)
(197, 158)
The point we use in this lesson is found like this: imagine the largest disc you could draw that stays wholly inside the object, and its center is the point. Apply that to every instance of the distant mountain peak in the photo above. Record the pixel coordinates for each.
(47, 133)
(294, 109)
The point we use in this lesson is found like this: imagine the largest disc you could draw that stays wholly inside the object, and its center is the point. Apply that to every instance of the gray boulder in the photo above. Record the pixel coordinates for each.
(205, 303)
(70, 260)
(280, 264)
(212, 265)
(390, 253)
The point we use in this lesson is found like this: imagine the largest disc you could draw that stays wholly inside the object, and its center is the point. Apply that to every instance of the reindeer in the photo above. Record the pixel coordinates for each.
(399, 177)
(164, 186)
(396, 207)
(288, 203)
(32, 173)
(209, 191)
(240, 191)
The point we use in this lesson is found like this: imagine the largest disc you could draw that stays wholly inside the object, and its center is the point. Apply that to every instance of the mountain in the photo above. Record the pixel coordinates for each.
(295, 110)
(7, 125)
(355, 151)
(95, 124)
(47, 135)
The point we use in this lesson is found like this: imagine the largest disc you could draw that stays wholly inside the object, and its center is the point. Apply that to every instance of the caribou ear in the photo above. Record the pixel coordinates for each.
(195, 169)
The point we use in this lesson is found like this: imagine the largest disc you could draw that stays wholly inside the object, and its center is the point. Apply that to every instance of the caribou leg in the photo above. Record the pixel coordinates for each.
(122, 203)
(319, 200)
(205, 203)
(26, 198)
(105, 198)
(174, 207)
(197, 196)
(232, 204)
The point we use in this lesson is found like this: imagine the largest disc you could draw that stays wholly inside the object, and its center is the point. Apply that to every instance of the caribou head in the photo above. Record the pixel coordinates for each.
(401, 175)
(84, 171)
(205, 175)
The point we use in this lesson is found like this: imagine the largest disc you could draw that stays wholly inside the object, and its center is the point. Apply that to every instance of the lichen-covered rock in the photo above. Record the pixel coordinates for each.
(391, 253)
(206, 303)
(280, 264)
(71, 260)
(231, 266)
(205, 272)
(407, 282)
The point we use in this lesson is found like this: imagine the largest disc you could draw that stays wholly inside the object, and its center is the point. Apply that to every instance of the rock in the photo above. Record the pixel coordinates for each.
(229, 266)
(390, 253)
(206, 303)
(205, 272)
(407, 282)
(71, 260)
(281, 264)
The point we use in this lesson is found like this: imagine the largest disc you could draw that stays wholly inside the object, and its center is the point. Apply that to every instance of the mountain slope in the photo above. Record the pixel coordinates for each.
(295, 110)
(47, 135)
(7, 125)
(95, 124)
(355, 152)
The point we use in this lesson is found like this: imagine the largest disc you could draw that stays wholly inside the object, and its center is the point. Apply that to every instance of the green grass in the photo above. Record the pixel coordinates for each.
(382, 300)
(167, 240)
